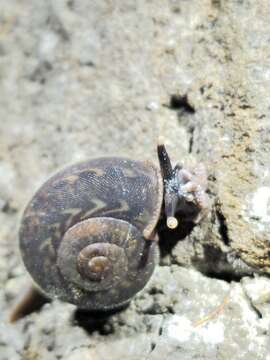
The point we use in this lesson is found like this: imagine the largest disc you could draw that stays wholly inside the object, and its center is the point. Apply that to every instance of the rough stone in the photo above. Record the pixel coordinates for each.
(80, 79)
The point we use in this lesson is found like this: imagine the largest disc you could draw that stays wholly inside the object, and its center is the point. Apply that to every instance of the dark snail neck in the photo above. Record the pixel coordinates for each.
(170, 181)
(165, 162)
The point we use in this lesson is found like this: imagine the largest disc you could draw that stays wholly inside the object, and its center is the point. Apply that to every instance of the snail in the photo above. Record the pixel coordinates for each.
(89, 235)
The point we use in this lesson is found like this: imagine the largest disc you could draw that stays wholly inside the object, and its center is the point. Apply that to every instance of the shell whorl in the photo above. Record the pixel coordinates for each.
(92, 253)
(94, 262)
(59, 255)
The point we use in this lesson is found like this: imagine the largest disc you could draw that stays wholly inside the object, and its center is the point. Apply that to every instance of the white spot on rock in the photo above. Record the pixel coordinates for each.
(47, 46)
(181, 329)
(260, 205)
(212, 333)
(152, 106)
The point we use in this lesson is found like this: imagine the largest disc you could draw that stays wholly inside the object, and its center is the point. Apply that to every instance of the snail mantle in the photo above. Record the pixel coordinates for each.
(89, 235)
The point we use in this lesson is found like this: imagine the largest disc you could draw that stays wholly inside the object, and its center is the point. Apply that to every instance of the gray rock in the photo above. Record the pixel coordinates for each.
(80, 79)
(214, 320)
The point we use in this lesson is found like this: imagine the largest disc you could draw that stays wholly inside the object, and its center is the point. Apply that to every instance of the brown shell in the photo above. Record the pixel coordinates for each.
(111, 189)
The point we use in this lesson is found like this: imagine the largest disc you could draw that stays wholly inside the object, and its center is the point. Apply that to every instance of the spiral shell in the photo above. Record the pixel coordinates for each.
(84, 234)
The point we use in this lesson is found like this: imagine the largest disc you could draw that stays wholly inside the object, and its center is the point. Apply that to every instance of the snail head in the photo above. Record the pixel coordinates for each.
(184, 190)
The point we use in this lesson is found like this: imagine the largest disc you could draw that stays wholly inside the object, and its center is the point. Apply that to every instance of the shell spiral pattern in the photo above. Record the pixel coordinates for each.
(84, 234)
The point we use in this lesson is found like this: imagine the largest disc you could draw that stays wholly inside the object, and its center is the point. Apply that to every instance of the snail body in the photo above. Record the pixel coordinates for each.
(82, 234)
(88, 236)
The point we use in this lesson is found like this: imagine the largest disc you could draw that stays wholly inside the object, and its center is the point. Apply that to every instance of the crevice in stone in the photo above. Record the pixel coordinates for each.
(99, 321)
(223, 227)
(153, 345)
(83, 346)
(252, 306)
(160, 332)
(191, 139)
(7, 208)
(41, 72)
(55, 24)
(216, 4)
(180, 102)
(184, 109)
(217, 264)
(70, 4)
(225, 276)
(154, 291)
(156, 309)
(88, 63)
(214, 264)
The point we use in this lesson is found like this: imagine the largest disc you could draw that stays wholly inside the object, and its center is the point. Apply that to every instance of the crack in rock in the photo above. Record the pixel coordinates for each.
(251, 303)
(223, 226)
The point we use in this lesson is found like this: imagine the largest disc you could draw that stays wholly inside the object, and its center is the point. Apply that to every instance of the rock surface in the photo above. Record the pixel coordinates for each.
(82, 79)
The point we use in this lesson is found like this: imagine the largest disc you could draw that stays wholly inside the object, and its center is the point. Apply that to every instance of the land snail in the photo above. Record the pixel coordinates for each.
(89, 235)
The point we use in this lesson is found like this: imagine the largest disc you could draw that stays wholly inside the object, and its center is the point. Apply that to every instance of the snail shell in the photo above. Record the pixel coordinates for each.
(84, 236)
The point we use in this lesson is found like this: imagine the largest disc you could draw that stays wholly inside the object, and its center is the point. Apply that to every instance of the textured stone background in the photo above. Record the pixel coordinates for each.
(86, 78)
